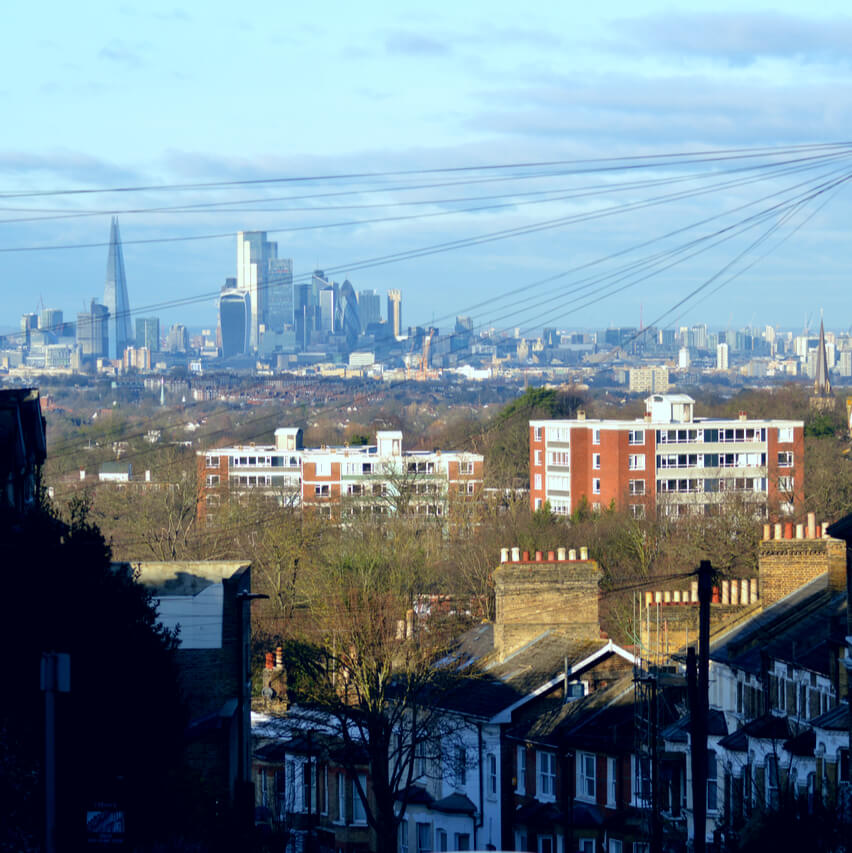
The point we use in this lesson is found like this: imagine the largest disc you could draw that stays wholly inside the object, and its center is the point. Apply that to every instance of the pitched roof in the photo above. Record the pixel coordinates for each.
(836, 719)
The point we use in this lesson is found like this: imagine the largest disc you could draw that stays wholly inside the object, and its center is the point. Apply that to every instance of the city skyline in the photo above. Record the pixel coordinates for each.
(569, 85)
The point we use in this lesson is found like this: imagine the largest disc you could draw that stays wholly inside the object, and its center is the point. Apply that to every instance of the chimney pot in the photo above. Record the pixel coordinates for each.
(526, 556)
(504, 555)
(270, 660)
(551, 556)
(743, 416)
(811, 525)
(516, 555)
(693, 592)
(572, 554)
(584, 553)
(560, 554)
(788, 530)
(538, 556)
(825, 530)
(279, 657)
(800, 531)
(778, 531)
(767, 531)
(649, 598)
(753, 590)
(725, 593)
(581, 414)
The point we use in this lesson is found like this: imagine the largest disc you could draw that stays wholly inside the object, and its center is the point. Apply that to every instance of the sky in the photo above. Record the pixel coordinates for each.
(123, 95)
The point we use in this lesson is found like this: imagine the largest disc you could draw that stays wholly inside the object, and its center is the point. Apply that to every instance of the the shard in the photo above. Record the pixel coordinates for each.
(822, 383)
(115, 296)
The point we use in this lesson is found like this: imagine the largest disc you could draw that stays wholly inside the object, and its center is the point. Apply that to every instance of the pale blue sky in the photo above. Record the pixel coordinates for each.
(104, 95)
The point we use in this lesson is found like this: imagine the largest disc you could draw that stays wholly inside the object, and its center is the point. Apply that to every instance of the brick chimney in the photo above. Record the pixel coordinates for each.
(534, 596)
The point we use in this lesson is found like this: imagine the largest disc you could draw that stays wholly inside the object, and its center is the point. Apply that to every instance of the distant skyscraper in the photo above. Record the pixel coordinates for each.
(369, 308)
(50, 320)
(350, 324)
(328, 309)
(115, 296)
(395, 312)
(254, 252)
(721, 357)
(234, 320)
(280, 293)
(148, 333)
(93, 331)
(177, 339)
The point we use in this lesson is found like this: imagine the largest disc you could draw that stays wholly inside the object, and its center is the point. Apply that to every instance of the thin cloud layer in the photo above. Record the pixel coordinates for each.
(739, 39)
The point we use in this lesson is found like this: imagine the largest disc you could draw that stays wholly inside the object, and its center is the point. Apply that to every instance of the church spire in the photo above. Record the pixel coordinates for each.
(822, 384)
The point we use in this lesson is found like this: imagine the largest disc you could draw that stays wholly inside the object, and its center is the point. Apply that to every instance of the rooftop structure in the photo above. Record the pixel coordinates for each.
(670, 461)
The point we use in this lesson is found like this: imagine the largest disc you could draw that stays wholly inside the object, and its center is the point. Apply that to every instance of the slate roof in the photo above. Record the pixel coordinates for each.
(837, 719)
(678, 731)
(454, 804)
(499, 684)
(801, 629)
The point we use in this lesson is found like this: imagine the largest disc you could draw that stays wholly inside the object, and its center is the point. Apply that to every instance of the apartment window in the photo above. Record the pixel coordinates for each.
(641, 780)
(441, 838)
(611, 781)
(323, 469)
(586, 776)
(785, 435)
(539, 433)
(465, 467)
(637, 510)
(596, 486)
(560, 457)
(596, 436)
(403, 836)
(545, 844)
(546, 774)
(424, 838)
(596, 461)
(212, 479)
(636, 436)
(521, 770)
(785, 484)
(712, 782)
(538, 502)
(321, 491)
(471, 488)
(771, 781)
(636, 461)
(461, 767)
(359, 811)
(492, 774)
(537, 481)
(462, 840)
(637, 487)
(537, 457)
(341, 798)
(212, 461)
(785, 458)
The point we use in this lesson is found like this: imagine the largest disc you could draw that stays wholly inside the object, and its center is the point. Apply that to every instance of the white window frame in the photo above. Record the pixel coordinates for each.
(537, 457)
(636, 487)
(596, 436)
(785, 435)
(596, 461)
(492, 775)
(586, 782)
(359, 807)
(341, 798)
(636, 462)
(785, 458)
(611, 781)
(537, 481)
(520, 770)
(211, 462)
(636, 437)
(596, 485)
(545, 776)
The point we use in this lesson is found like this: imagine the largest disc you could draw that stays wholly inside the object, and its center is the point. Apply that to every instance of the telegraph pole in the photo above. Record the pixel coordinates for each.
(55, 678)
(698, 681)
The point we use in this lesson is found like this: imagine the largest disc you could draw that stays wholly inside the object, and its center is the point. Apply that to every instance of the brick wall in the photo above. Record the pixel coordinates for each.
(533, 597)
